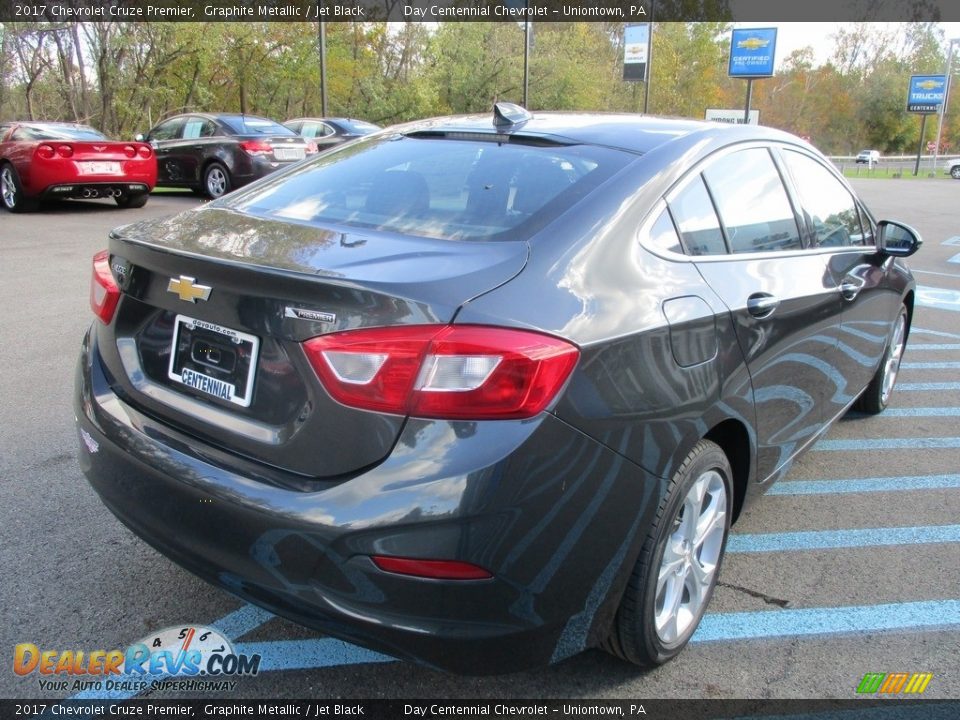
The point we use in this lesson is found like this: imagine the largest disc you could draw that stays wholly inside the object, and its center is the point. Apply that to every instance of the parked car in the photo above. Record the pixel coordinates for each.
(953, 168)
(329, 132)
(871, 157)
(215, 153)
(486, 393)
(56, 161)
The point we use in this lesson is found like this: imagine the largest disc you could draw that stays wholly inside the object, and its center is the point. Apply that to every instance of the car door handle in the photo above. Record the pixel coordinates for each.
(850, 287)
(762, 305)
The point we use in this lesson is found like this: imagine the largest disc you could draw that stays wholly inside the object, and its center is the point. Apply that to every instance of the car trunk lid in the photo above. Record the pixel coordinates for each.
(216, 305)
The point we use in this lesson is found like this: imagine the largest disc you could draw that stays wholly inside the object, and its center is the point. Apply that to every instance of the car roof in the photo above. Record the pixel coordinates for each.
(632, 132)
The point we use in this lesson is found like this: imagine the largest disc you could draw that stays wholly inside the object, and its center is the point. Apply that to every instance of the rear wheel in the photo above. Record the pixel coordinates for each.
(11, 191)
(677, 570)
(137, 200)
(877, 395)
(216, 181)
(955, 172)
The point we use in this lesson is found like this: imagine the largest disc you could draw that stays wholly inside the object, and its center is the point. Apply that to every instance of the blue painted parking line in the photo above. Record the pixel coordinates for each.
(831, 539)
(955, 259)
(938, 333)
(865, 485)
(924, 387)
(955, 240)
(940, 274)
(931, 366)
(931, 347)
(309, 654)
(827, 621)
(943, 443)
(922, 412)
(939, 298)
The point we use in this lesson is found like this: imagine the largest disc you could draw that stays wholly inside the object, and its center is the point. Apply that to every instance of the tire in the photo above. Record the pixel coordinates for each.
(876, 397)
(955, 172)
(11, 191)
(137, 200)
(216, 181)
(676, 573)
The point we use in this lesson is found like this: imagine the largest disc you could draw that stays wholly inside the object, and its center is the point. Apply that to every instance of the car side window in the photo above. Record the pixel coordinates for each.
(325, 130)
(696, 220)
(663, 235)
(752, 202)
(307, 129)
(830, 208)
(869, 233)
(168, 130)
(192, 128)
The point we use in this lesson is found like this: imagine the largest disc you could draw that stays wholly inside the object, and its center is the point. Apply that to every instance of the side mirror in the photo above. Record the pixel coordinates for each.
(139, 137)
(896, 239)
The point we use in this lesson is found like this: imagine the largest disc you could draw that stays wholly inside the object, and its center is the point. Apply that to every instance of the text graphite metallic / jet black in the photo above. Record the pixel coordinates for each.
(484, 392)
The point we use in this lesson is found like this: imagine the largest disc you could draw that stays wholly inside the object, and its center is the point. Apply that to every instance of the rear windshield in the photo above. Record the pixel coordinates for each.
(248, 125)
(58, 132)
(359, 127)
(436, 187)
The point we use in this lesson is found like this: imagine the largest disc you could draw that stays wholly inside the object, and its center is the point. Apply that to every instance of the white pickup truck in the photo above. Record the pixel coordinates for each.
(953, 168)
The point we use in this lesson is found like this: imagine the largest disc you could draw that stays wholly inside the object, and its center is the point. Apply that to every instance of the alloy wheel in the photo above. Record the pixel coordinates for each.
(892, 363)
(689, 566)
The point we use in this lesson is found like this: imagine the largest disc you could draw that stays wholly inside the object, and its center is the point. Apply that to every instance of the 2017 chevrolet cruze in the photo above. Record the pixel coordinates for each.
(484, 392)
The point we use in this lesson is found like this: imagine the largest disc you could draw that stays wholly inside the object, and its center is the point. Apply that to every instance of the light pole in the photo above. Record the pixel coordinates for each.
(946, 99)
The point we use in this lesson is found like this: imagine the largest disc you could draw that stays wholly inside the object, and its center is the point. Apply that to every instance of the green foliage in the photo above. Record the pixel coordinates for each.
(123, 77)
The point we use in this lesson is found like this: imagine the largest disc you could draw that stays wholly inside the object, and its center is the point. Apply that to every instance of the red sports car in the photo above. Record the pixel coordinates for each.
(49, 161)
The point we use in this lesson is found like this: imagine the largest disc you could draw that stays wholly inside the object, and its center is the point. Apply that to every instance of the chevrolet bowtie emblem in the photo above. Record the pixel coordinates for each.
(185, 288)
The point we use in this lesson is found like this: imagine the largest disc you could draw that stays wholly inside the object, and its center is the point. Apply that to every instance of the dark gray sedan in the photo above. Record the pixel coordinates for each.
(214, 153)
(485, 391)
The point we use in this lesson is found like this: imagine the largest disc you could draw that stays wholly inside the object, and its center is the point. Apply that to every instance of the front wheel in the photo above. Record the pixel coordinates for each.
(877, 395)
(677, 570)
(216, 181)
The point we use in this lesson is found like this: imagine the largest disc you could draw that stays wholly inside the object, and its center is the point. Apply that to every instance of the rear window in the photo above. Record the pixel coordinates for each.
(437, 187)
(58, 132)
(248, 125)
(359, 127)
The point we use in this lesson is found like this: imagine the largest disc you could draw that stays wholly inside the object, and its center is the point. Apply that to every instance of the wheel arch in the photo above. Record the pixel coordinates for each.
(734, 439)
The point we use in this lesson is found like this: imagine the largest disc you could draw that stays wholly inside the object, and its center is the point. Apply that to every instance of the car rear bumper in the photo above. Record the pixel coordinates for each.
(89, 190)
(555, 517)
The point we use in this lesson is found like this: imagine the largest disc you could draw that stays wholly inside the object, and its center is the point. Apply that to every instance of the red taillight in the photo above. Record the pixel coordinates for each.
(104, 291)
(256, 147)
(456, 372)
(45, 151)
(144, 151)
(130, 151)
(436, 569)
(312, 148)
(65, 151)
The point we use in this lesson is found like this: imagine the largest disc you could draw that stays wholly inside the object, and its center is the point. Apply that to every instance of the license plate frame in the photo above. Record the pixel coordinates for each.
(195, 339)
(99, 167)
(289, 154)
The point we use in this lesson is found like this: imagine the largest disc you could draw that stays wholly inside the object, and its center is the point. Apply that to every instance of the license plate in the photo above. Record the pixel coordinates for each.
(98, 167)
(214, 360)
(289, 153)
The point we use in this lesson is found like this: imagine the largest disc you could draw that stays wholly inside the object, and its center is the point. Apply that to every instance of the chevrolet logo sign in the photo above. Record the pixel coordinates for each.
(929, 84)
(753, 43)
(184, 287)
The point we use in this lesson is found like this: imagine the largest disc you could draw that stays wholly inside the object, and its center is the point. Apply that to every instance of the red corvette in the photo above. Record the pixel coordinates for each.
(50, 161)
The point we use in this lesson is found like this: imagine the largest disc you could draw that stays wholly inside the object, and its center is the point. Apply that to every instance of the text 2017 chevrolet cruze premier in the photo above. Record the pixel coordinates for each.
(484, 392)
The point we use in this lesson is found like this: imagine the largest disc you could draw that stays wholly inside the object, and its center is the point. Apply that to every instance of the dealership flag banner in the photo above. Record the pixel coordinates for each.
(636, 39)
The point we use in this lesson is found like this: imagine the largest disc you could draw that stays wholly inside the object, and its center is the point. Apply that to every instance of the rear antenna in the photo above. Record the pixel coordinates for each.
(505, 113)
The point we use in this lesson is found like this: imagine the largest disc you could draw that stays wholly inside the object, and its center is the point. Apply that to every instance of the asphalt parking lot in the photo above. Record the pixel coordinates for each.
(851, 565)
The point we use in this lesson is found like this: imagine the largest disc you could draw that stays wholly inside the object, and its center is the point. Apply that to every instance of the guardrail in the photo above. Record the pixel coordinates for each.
(894, 165)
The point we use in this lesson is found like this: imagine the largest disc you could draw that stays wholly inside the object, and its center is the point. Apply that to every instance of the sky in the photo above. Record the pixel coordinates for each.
(794, 35)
